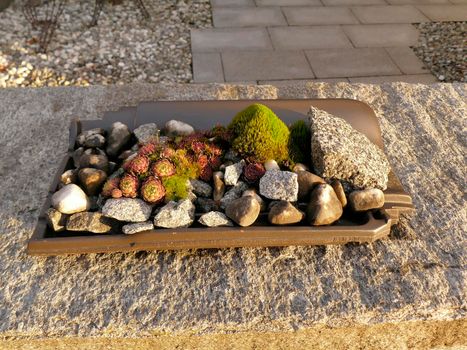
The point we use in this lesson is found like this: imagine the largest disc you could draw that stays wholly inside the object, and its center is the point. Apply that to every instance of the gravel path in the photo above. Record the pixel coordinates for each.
(442, 46)
(123, 47)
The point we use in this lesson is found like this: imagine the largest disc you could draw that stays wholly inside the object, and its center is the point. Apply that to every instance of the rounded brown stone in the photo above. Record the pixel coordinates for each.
(324, 207)
(97, 161)
(340, 193)
(284, 213)
(91, 180)
(366, 199)
(306, 182)
(244, 210)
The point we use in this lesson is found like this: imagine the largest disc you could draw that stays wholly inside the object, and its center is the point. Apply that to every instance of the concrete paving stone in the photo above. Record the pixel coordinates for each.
(247, 16)
(381, 35)
(288, 3)
(389, 14)
(261, 65)
(337, 63)
(301, 81)
(412, 79)
(319, 15)
(353, 2)
(221, 39)
(406, 60)
(444, 12)
(418, 2)
(227, 3)
(458, 2)
(207, 68)
(316, 37)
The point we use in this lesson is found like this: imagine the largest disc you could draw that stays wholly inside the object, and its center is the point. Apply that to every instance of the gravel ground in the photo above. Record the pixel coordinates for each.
(122, 48)
(443, 48)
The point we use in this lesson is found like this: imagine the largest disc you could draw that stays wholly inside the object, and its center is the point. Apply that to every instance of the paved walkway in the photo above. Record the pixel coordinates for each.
(264, 41)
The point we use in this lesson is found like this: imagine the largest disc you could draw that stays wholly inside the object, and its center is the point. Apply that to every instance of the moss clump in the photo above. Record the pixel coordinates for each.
(300, 142)
(259, 133)
(176, 187)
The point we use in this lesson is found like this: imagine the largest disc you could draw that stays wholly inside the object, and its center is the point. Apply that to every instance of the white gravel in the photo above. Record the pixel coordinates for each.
(442, 46)
(122, 48)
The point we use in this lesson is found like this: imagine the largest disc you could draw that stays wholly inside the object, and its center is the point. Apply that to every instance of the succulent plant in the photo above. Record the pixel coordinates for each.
(109, 186)
(176, 187)
(252, 172)
(260, 133)
(221, 134)
(139, 165)
(300, 142)
(167, 152)
(215, 162)
(152, 190)
(185, 164)
(163, 168)
(148, 149)
(205, 168)
(129, 185)
(116, 193)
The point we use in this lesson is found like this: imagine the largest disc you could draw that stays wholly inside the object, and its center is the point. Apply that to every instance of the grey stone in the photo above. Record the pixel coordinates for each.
(55, 219)
(233, 193)
(340, 152)
(91, 222)
(127, 209)
(277, 184)
(201, 188)
(371, 198)
(233, 173)
(340, 193)
(177, 127)
(207, 67)
(70, 199)
(76, 155)
(244, 210)
(232, 157)
(324, 207)
(146, 133)
(284, 213)
(91, 180)
(306, 182)
(215, 219)
(97, 161)
(81, 138)
(69, 177)
(119, 135)
(205, 205)
(180, 296)
(136, 227)
(175, 214)
(95, 140)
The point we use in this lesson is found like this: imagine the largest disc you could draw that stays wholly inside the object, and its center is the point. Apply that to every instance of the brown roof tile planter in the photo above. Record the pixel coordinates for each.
(352, 227)
(406, 290)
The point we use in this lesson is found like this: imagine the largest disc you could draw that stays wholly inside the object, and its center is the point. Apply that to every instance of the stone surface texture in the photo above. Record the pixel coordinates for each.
(340, 152)
(281, 185)
(127, 209)
(417, 274)
(136, 227)
(175, 214)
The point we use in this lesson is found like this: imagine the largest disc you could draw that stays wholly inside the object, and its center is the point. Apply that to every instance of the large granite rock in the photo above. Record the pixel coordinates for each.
(340, 152)
(258, 296)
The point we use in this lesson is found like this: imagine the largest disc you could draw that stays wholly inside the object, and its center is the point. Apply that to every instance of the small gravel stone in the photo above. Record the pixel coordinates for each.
(300, 167)
(127, 209)
(177, 127)
(281, 185)
(215, 219)
(306, 181)
(201, 188)
(70, 199)
(136, 227)
(95, 140)
(233, 173)
(97, 161)
(175, 214)
(340, 193)
(271, 164)
(55, 219)
(91, 180)
(146, 133)
(118, 137)
(90, 222)
(69, 177)
(366, 199)
(219, 186)
(76, 155)
(244, 210)
(284, 213)
(81, 138)
(324, 207)
(234, 193)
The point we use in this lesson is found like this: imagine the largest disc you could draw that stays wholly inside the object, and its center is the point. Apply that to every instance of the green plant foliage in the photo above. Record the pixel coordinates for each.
(185, 166)
(259, 133)
(176, 187)
(300, 142)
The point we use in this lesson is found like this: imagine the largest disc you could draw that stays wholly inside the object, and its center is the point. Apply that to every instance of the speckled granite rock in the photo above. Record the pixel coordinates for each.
(280, 185)
(417, 274)
(127, 209)
(340, 152)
